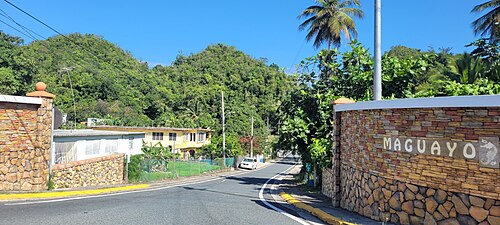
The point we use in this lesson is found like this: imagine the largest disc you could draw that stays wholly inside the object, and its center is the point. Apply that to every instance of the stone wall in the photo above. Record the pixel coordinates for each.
(104, 170)
(409, 188)
(24, 144)
(326, 182)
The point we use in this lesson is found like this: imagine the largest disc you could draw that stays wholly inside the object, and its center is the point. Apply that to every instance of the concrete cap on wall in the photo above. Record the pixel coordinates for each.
(343, 101)
(40, 91)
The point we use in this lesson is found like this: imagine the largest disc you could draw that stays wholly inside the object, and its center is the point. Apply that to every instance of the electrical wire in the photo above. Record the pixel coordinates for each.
(29, 31)
(1, 21)
(61, 34)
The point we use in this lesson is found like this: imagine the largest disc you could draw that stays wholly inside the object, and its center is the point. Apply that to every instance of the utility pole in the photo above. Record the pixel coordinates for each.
(68, 70)
(223, 131)
(377, 80)
(251, 141)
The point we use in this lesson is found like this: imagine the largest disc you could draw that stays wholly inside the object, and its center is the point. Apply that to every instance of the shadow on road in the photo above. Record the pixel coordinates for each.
(249, 180)
(218, 192)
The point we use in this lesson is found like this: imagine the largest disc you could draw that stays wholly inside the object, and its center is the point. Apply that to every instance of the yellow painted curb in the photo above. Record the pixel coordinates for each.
(58, 194)
(325, 217)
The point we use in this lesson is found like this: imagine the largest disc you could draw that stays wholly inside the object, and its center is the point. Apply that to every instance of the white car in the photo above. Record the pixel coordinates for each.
(249, 163)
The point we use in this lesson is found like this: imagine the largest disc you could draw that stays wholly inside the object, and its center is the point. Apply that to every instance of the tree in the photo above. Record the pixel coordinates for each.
(489, 23)
(329, 19)
(467, 69)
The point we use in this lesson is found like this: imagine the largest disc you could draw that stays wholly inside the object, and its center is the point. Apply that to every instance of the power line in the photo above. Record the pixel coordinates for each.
(16, 29)
(10, 3)
(29, 31)
(53, 29)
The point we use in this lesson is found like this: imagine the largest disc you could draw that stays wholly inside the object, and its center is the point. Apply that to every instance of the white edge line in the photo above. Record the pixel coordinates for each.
(261, 197)
(126, 192)
(111, 194)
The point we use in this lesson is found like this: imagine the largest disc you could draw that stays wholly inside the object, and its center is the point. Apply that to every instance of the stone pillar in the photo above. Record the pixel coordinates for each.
(336, 161)
(41, 155)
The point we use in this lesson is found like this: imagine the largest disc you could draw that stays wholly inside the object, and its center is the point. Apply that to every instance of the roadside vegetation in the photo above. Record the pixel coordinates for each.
(307, 112)
(92, 77)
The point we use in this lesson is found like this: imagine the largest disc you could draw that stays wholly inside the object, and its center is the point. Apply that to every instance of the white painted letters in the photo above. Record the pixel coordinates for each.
(435, 148)
(408, 146)
(451, 149)
(472, 153)
(387, 143)
(421, 150)
(397, 145)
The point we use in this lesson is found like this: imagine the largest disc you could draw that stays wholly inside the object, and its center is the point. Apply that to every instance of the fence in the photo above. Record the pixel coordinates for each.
(152, 169)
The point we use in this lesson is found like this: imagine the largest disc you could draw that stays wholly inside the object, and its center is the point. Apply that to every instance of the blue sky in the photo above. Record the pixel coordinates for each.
(156, 31)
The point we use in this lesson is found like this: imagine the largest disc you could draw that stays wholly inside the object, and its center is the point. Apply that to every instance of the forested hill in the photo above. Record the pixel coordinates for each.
(108, 82)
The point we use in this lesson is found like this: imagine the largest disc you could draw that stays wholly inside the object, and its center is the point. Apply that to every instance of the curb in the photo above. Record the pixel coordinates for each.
(322, 215)
(58, 194)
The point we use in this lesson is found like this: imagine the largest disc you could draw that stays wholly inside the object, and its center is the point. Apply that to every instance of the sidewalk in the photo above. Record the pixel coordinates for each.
(317, 200)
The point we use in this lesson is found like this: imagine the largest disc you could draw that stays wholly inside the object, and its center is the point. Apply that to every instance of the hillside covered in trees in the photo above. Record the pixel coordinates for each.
(92, 77)
(108, 82)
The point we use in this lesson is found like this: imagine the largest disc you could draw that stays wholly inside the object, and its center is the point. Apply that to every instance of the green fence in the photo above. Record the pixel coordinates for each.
(152, 169)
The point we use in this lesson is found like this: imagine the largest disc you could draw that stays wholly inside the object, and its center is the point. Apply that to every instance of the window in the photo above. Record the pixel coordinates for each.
(157, 136)
(130, 144)
(192, 137)
(65, 152)
(202, 136)
(92, 147)
(186, 136)
(111, 146)
(172, 136)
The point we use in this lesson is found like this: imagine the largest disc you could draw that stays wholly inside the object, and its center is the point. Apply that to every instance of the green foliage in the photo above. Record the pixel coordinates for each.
(103, 81)
(307, 115)
(50, 184)
(156, 151)
(327, 20)
(134, 168)
(319, 149)
(487, 24)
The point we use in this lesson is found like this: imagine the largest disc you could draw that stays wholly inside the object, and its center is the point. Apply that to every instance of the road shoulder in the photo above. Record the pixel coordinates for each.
(314, 204)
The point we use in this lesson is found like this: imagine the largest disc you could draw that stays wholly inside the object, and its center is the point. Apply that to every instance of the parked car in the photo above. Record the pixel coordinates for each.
(249, 163)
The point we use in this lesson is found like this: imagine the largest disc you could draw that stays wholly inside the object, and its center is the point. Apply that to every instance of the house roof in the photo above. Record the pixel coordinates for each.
(89, 132)
(130, 128)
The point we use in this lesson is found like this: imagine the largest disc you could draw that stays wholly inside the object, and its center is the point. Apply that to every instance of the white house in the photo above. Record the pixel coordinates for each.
(74, 145)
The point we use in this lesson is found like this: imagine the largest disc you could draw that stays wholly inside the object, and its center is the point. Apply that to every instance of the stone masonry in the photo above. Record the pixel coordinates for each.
(25, 145)
(326, 182)
(415, 189)
(105, 170)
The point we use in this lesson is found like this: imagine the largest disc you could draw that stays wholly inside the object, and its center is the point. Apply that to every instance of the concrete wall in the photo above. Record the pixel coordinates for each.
(105, 170)
(122, 145)
(25, 126)
(450, 181)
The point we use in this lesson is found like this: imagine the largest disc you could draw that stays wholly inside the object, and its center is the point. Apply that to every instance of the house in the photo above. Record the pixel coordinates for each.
(182, 140)
(74, 145)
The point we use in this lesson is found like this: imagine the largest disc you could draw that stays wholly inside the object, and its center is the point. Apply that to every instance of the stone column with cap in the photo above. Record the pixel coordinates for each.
(336, 164)
(41, 159)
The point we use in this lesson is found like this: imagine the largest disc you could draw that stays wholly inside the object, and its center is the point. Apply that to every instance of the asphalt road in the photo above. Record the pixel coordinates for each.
(230, 200)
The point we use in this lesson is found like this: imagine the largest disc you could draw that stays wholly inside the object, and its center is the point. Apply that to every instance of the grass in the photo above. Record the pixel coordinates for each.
(180, 169)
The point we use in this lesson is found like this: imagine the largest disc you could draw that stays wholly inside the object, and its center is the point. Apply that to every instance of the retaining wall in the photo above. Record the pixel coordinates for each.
(419, 161)
(98, 171)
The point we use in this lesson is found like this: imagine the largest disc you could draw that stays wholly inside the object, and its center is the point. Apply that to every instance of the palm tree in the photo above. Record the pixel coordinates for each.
(489, 23)
(467, 69)
(330, 18)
